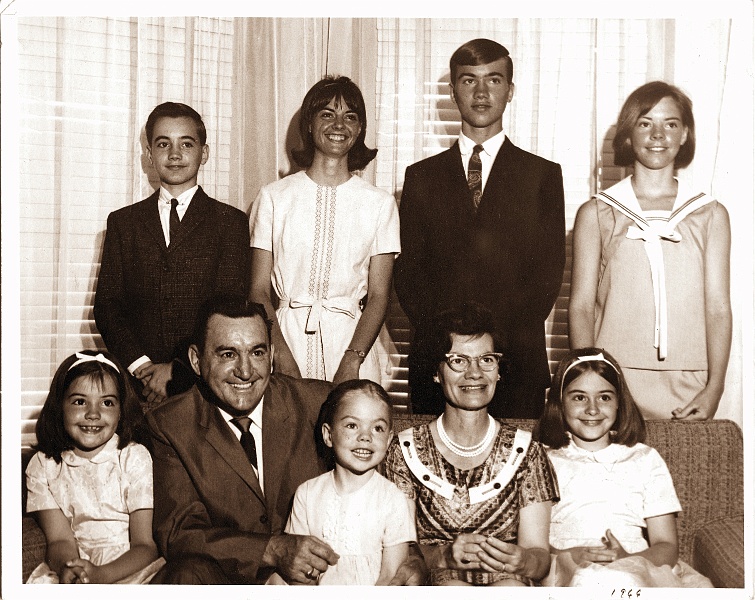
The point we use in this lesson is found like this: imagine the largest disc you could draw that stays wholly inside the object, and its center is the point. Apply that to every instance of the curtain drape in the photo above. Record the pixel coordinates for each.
(85, 88)
(571, 78)
(74, 134)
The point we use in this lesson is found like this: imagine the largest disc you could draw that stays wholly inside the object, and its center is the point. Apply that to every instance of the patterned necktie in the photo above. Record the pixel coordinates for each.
(474, 175)
(247, 439)
(175, 222)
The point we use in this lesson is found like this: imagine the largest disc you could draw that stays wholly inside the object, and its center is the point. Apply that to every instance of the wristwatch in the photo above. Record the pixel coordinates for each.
(360, 353)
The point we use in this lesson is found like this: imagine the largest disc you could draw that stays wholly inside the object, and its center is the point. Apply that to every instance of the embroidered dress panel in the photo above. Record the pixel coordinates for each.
(322, 240)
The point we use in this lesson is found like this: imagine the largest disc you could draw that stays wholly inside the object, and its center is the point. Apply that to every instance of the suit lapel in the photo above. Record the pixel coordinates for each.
(150, 218)
(195, 215)
(222, 439)
(277, 438)
(499, 183)
(457, 187)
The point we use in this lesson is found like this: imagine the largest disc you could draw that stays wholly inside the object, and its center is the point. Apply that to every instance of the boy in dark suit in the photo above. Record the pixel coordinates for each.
(483, 221)
(166, 255)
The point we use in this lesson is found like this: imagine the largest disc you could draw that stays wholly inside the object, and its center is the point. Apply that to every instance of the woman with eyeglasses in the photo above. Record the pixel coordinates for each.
(482, 489)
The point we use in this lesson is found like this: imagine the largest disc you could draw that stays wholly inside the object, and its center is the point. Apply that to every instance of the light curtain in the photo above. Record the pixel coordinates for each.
(571, 78)
(85, 88)
(87, 84)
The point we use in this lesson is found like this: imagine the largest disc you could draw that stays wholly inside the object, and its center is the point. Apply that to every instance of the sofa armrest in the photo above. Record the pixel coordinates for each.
(718, 552)
(33, 546)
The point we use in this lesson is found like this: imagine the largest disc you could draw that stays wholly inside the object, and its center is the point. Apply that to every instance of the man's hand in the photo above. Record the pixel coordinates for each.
(155, 378)
(299, 558)
(414, 569)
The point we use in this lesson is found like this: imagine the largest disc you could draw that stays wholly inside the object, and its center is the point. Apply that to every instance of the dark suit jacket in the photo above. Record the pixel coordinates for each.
(509, 255)
(148, 294)
(208, 501)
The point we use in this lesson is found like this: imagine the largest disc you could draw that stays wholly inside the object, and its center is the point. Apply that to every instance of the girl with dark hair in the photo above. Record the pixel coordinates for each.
(651, 265)
(616, 520)
(90, 483)
(366, 519)
(327, 240)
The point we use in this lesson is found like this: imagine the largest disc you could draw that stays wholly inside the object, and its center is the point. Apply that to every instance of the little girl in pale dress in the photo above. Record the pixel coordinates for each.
(364, 517)
(90, 484)
(615, 524)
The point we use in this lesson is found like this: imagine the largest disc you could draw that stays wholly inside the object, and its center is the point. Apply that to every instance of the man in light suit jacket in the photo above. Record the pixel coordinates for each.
(502, 246)
(161, 262)
(220, 506)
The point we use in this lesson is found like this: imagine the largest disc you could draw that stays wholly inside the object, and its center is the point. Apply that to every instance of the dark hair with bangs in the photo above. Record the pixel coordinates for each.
(480, 52)
(330, 407)
(234, 307)
(317, 98)
(468, 318)
(175, 110)
(52, 438)
(639, 103)
(629, 426)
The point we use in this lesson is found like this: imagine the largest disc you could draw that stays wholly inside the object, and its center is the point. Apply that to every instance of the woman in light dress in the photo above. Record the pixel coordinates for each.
(326, 240)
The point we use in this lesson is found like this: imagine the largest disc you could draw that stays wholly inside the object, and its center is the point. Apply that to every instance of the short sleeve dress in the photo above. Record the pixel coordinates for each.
(97, 496)
(357, 526)
(440, 520)
(615, 488)
(322, 239)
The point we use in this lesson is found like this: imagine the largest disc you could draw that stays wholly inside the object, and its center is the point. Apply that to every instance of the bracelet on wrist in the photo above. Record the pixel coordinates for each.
(360, 353)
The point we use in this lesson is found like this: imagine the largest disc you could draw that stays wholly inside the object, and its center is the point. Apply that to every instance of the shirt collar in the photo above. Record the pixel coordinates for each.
(109, 449)
(255, 415)
(183, 198)
(491, 146)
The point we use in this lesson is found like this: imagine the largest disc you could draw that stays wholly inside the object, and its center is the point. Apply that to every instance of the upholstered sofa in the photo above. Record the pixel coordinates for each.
(706, 462)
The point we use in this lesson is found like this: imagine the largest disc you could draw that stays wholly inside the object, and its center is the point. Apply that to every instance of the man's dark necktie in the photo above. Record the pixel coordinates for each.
(175, 222)
(474, 175)
(247, 439)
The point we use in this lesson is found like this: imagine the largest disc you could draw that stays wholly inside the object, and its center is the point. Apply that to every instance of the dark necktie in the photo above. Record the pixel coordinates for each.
(247, 439)
(175, 222)
(474, 175)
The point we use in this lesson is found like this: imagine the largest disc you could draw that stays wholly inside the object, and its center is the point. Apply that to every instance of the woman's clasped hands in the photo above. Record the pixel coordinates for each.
(475, 551)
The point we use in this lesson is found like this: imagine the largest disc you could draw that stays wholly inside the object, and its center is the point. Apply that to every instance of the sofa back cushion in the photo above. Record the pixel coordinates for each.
(705, 459)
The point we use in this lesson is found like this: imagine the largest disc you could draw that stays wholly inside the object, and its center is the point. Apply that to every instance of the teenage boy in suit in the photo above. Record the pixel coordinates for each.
(492, 232)
(167, 254)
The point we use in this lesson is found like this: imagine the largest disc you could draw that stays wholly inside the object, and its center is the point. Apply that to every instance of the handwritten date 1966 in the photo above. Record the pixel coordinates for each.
(626, 593)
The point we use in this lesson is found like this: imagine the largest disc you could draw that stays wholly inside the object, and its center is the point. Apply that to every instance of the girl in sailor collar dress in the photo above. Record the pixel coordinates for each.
(650, 277)
(90, 484)
(615, 524)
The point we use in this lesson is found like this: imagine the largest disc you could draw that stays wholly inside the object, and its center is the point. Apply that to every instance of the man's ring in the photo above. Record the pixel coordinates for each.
(310, 574)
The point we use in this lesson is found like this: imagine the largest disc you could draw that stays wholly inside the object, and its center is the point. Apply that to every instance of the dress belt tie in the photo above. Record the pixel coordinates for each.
(342, 305)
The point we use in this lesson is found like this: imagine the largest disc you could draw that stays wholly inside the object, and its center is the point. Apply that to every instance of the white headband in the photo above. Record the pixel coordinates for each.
(83, 358)
(592, 358)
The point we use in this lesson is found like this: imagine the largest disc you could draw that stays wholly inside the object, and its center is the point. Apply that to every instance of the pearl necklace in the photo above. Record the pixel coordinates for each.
(466, 451)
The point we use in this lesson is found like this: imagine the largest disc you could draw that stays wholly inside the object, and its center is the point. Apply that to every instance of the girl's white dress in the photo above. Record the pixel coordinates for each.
(322, 239)
(357, 526)
(97, 496)
(615, 488)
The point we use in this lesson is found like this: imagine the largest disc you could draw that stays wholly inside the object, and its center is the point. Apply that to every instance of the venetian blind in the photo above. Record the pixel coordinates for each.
(571, 77)
(86, 87)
